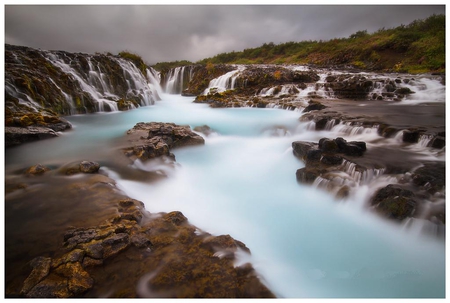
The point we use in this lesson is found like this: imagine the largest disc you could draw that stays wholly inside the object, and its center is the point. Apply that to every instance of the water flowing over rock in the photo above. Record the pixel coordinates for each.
(40, 85)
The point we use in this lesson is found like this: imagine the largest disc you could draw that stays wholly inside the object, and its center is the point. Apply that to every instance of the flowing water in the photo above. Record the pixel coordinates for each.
(242, 182)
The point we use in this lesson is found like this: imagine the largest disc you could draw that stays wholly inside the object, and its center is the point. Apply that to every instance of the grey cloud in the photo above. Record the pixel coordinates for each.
(193, 32)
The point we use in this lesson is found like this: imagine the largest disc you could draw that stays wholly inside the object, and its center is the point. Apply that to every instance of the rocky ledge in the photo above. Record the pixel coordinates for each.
(156, 139)
(32, 127)
(121, 251)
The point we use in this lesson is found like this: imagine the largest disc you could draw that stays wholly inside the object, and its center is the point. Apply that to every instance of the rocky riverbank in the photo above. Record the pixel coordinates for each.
(415, 185)
(107, 245)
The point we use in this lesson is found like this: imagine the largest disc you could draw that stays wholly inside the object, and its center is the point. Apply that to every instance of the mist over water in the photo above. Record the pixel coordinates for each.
(242, 182)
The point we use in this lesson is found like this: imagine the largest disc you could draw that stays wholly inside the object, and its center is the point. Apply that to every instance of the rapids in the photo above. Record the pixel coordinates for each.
(304, 243)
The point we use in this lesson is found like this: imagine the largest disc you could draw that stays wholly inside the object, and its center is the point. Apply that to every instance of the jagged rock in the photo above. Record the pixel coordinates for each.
(394, 202)
(41, 268)
(159, 139)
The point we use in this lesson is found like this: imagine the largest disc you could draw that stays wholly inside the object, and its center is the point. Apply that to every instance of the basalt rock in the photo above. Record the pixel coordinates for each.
(184, 262)
(155, 139)
(19, 135)
(394, 202)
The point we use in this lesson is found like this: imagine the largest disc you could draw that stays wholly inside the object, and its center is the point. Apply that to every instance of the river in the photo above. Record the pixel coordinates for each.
(304, 243)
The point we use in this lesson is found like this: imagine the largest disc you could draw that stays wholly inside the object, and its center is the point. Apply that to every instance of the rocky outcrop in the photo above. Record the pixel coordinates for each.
(41, 85)
(135, 253)
(105, 244)
(155, 139)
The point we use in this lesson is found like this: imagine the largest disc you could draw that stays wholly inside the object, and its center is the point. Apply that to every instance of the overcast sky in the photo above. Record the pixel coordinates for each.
(193, 32)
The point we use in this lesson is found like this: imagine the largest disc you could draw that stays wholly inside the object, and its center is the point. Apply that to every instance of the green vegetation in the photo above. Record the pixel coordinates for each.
(415, 48)
(164, 66)
(136, 59)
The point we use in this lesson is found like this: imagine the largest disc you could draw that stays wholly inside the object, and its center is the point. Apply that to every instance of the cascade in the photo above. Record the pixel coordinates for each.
(178, 78)
(224, 82)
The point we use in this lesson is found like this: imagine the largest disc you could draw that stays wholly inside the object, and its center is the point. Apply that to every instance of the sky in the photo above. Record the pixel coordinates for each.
(193, 32)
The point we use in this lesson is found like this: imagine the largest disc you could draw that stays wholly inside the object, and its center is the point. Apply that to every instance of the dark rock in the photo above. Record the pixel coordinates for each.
(328, 145)
(321, 123)
(431, 176)
(394, 202)
(19, 135)
(314, 105)
(437, 142)
(403, 91)
(301, 148)
(306, 176)
(331, 160)
(411, 136)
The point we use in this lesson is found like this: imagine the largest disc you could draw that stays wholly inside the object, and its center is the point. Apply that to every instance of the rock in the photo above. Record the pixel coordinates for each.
(431, 176)
(314, 105)
(328, 145)
(307, 176)
(411, 136)
(394, 202)
(41, 268)
(301, 148)
(403, 91)
(86, 167)
(89, 167)
(204, 129)
(37, 170)
(160, 139)
(175, 217)
(19, 135)
(437, 142)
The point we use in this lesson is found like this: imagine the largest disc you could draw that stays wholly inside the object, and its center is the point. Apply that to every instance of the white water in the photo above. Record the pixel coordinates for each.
(242, 182)
(225, 82)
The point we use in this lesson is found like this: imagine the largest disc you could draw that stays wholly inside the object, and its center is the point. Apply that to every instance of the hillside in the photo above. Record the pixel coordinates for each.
(415, 48)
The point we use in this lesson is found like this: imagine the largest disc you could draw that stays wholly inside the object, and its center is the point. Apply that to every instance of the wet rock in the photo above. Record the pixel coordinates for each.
(37, 170)
(19, 135)
(306, 176)
(160, 138)
(411, 136)
(89, 167)
(431, 177)
(437, 142)
(175, 217)
(41, 268)
(204, 129)
(394, 202)
(314, 105)
(301, 148)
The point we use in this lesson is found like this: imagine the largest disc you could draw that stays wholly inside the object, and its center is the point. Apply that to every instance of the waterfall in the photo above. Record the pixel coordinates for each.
(177, 79)
(224, 82)
(97, 82)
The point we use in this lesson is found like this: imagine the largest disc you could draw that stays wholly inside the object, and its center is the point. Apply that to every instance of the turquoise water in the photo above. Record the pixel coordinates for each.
(242, 182)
